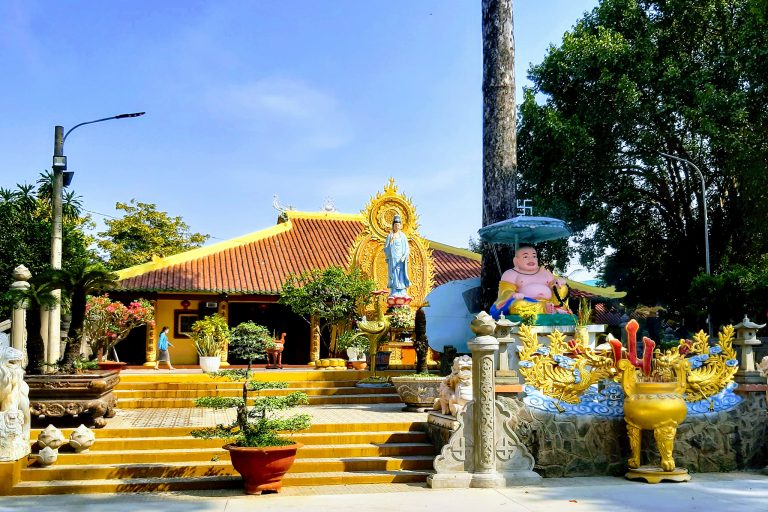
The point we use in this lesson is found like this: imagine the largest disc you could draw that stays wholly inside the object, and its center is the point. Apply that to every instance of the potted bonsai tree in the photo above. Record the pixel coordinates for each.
(258, 448)
(55, 395)
(209, 336)
(420, 390)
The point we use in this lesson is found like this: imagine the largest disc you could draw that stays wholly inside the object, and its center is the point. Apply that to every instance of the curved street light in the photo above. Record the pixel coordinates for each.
(706, 222)
(59, 166)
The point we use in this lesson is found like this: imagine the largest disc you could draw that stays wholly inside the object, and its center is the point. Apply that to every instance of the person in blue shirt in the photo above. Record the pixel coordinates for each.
(163, 355)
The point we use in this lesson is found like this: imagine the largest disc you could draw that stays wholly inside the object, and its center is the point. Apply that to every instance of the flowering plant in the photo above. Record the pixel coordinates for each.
(401, 317)
(107, 323)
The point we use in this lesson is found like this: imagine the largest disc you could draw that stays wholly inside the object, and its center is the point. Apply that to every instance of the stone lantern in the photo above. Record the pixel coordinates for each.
(746, 339)
(507, 348)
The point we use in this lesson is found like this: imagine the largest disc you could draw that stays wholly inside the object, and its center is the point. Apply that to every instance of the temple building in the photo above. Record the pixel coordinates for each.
(241, 278)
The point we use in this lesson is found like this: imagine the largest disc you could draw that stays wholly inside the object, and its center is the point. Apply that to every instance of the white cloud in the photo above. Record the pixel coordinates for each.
(308, 117)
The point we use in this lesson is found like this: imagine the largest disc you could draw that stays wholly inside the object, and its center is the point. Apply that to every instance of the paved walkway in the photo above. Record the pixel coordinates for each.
(710, 492)
(197, 417)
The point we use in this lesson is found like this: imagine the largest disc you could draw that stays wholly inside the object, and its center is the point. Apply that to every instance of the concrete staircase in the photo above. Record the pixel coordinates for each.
(166, 459)
(323, 387)
(160, 458)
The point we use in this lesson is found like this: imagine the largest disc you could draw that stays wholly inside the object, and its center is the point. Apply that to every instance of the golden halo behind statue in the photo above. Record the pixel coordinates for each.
(383, 208)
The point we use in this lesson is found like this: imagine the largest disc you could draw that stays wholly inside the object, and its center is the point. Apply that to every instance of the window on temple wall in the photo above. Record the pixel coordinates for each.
(182, 322)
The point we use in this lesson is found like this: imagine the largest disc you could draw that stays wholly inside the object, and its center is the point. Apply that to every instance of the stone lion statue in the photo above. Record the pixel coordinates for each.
(456, 389)
(14, 404)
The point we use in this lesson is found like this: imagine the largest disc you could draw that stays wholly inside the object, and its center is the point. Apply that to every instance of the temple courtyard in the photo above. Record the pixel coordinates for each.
(734, 491)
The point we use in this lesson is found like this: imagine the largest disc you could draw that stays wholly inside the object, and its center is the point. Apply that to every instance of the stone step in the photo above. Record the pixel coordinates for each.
(29, 488)
(219, 468)
(184, 431)
(237, 392)
(224, 384)
(189, 442)
(153, 403)
(287, 375)
(212, 453)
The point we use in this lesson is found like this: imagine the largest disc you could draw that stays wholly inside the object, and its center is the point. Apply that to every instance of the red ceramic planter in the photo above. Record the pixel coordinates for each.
(262, 469)
(110, 365)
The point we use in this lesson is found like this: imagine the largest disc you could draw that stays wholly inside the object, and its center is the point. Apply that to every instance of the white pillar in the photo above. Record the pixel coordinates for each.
(483, 350)
(21, 276)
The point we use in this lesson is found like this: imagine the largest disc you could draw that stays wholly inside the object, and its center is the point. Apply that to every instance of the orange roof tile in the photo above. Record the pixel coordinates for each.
(260, 262)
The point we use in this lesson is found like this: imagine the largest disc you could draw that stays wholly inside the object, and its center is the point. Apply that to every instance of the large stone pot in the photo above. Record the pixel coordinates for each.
(418, 393)
(262, 469)
(56, 396)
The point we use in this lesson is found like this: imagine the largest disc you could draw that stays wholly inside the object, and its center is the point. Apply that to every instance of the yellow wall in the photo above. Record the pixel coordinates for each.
(183, 350)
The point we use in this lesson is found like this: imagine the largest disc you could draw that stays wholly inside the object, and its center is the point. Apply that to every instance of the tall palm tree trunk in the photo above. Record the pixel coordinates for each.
(499, 136)
(74, 337)
(35, 343)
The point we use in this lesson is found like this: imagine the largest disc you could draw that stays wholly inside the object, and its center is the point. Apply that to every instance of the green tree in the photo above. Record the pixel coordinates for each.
(333, 295)
(632, 79)
(36, 299)
(79, 280)
(25, 237)
(143, 232)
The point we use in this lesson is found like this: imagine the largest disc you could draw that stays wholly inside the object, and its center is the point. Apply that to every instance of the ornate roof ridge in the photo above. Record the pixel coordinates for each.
(158, 262)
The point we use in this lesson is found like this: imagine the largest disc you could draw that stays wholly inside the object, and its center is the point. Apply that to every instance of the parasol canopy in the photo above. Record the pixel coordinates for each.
(524, 229)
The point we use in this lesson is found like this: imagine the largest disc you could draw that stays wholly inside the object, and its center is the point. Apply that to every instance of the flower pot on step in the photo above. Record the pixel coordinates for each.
(110, 365)
(56, 395)
(418, 393)
(262, 469)
(210, 364)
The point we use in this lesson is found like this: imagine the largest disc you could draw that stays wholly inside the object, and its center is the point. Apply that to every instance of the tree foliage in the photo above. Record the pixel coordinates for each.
(333, 295)
(25, 237)
(77, 281)
(632, 79)
(143, 232)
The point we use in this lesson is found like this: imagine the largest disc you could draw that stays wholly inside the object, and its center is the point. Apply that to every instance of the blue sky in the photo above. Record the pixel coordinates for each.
(247, 99)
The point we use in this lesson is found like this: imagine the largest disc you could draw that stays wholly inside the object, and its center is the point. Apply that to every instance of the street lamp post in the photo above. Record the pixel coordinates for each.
(706, 222)
(59, 166)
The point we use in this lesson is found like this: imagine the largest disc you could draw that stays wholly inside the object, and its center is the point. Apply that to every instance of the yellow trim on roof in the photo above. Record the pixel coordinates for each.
(293, 214)
(158, 263)
(466, 253)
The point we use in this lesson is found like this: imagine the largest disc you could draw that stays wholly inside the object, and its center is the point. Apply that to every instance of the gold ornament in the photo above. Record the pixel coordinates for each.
(563, 370)
(367, 251)
(656, 388)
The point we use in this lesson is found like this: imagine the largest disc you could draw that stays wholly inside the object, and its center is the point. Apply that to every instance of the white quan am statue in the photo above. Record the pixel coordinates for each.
(396, 250)
(14, 404)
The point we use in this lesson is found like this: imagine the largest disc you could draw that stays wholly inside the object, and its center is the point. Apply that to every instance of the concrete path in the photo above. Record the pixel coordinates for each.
(710, 492)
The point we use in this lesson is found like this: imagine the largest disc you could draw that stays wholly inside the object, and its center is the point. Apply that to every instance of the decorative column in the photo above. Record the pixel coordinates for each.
(483, 350)
(314, 339)
(224, 311)
(21, 276)
(150, 343)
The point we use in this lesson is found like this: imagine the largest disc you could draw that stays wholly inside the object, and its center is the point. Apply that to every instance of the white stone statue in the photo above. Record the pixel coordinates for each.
(14, 405)
(456, 389)
(82, 439)
(763, 367)
(47, 456)
(51, 437)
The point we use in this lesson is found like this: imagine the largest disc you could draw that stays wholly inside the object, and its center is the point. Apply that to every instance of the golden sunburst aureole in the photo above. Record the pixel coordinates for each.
(367, 251)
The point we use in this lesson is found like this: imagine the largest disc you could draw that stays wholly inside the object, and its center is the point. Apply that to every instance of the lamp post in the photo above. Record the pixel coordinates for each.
(59, 166)
(706, 222)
